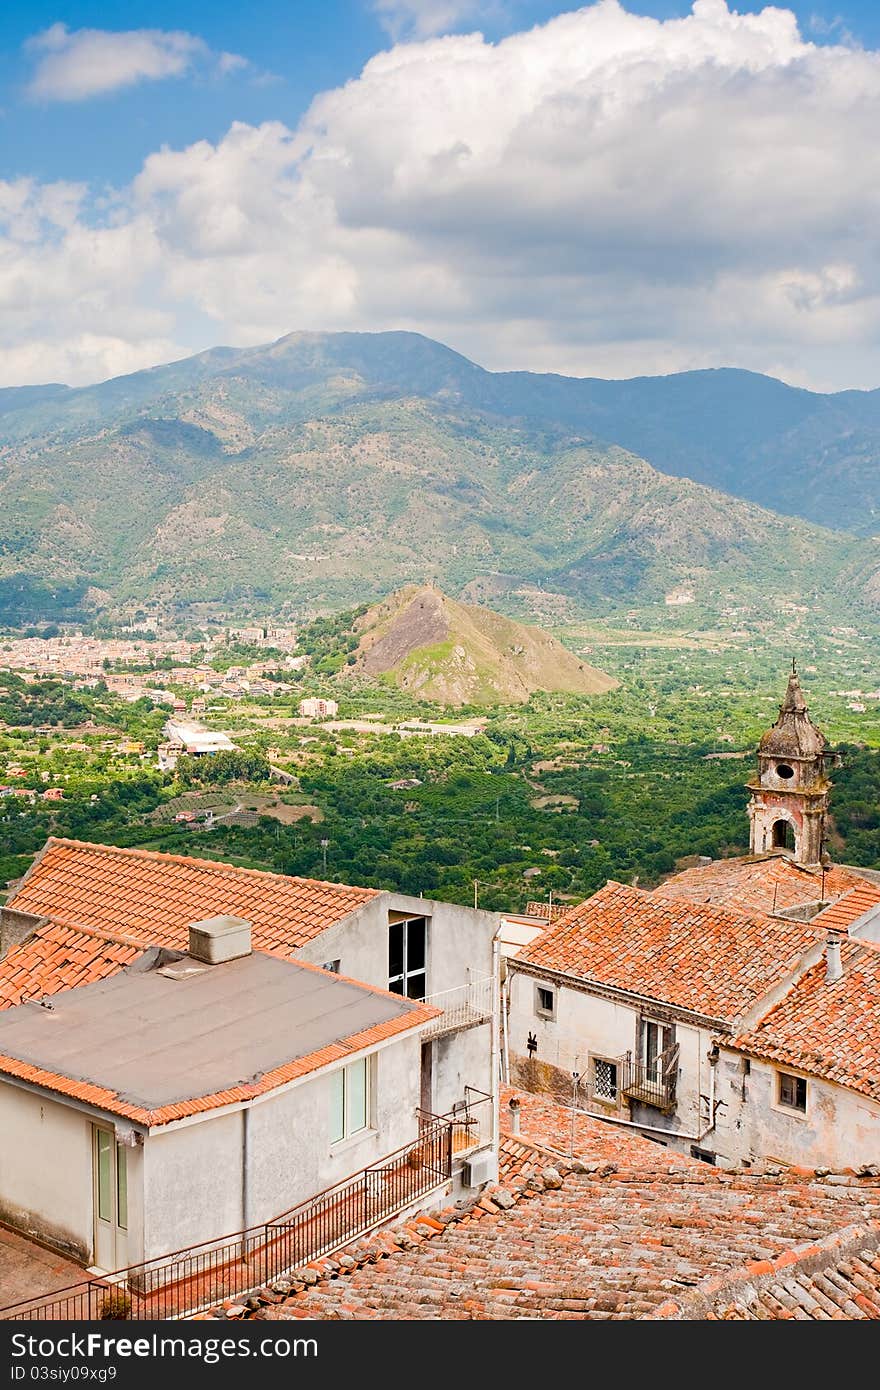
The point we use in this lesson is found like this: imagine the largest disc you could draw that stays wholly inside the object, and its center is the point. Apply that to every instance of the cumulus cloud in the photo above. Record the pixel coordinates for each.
(605, 194)
(73, 65)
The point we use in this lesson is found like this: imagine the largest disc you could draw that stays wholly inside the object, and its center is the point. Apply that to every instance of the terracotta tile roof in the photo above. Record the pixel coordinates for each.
(707, 959)
(586, 1237)
(832, 1031)
(835, 1279)
(57, 958)
(842, 914)
(151, 898)
(758, 883)
(104, 1099)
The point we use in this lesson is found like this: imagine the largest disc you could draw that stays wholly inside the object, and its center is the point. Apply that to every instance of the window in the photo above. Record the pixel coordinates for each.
(121, 1188)
(792, 1091)
(545, 1001)
(704, 1155)
(407, 958)
(349, 1101)
(784, 771)
(656, 1039)
(604, 1080)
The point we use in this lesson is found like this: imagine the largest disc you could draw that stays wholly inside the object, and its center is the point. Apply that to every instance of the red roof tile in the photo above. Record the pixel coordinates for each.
(56, 958)
(585, 1235)
(758, 883)
(842, 914)
(832, 1031)
(151, 898)
(710, 960)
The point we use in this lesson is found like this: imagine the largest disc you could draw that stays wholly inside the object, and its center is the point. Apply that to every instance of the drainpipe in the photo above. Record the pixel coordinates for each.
(505, 1044)
(245, 1113)
(496, 1040)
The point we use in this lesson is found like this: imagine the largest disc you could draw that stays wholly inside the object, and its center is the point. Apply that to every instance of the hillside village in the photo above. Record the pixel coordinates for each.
(391, 1090)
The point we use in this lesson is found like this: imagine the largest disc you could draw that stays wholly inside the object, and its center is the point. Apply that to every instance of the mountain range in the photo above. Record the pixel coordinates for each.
(327, 468)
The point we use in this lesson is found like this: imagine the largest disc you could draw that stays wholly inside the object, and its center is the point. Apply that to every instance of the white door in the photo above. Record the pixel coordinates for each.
(110, 1185)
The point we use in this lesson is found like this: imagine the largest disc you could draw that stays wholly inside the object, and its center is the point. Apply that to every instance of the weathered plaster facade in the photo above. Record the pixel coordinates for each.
(838, 1129)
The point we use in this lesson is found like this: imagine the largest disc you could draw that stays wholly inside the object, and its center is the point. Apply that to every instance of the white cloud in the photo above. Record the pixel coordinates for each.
(73, 65)
(420, 19)
(606, 194)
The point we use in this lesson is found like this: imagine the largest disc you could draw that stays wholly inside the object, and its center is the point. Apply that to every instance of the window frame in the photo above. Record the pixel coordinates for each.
(540, 1010)
(668, 1039)
(399, 981)
(787, 1106)
(611, 1101)
(342, 1078)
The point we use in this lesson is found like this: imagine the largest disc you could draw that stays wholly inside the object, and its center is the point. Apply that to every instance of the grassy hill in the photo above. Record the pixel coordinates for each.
(457, 653)
(328, 469)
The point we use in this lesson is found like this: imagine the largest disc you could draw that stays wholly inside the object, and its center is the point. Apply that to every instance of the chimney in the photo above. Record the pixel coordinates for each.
(833, 963)
(219, 939)
(514, 1115)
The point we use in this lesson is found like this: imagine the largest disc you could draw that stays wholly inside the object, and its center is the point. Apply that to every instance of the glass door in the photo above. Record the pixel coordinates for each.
(110, 1182)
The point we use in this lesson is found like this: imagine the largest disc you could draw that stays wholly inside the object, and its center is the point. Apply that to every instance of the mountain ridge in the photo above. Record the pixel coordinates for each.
(327, 468)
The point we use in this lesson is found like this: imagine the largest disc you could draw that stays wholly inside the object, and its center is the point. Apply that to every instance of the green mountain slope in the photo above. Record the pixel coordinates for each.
(331, 468)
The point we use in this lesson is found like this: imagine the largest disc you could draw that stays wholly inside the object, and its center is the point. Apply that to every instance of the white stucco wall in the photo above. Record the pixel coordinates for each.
(588, 1025)
(193, 1184)
(46, 1172)
(459, 949)
(840, 1128)
(459, 941)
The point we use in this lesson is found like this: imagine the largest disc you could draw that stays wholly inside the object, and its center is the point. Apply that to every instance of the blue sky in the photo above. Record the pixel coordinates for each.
(579, 191)
(297, 48)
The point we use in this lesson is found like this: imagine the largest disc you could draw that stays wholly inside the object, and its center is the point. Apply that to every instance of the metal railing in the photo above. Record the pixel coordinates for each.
(463, 1007)
(615, 1081)
(650, 1083)
(471, 1120)
(199, 1276)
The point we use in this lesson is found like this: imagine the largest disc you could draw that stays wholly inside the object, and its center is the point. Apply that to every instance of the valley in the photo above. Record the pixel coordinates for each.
(549, 797)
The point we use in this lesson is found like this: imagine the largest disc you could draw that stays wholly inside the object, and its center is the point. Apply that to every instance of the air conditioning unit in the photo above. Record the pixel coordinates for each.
(480, 1168)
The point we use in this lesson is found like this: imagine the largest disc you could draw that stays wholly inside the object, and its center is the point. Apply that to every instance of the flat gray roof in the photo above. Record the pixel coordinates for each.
(158, 1040)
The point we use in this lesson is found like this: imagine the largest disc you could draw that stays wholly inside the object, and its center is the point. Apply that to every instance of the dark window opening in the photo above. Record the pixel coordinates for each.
(407, 957)
(545, 1001)
(783, 837)
(784, 771)
(704, 1155)
(792, 1091)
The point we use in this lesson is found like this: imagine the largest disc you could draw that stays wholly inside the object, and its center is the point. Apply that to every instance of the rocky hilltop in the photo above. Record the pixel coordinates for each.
(460, 653)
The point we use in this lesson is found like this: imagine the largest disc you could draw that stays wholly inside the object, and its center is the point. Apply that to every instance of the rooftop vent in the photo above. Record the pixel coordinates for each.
(219, 938)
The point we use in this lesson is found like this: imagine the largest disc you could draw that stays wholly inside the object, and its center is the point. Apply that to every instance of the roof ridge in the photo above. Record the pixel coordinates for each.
(116, 938)
(194, 861)
(756, 1275)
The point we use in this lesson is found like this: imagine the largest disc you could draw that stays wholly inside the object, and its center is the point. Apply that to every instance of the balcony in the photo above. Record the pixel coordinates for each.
(628, 1079)
(463, 1007)
(471, 1119)
(650, 1083)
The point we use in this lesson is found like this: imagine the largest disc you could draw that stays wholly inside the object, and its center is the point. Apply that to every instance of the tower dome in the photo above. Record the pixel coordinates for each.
(794, 735)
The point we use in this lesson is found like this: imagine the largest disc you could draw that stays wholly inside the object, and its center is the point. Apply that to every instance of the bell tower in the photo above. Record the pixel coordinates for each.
(790, 792)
